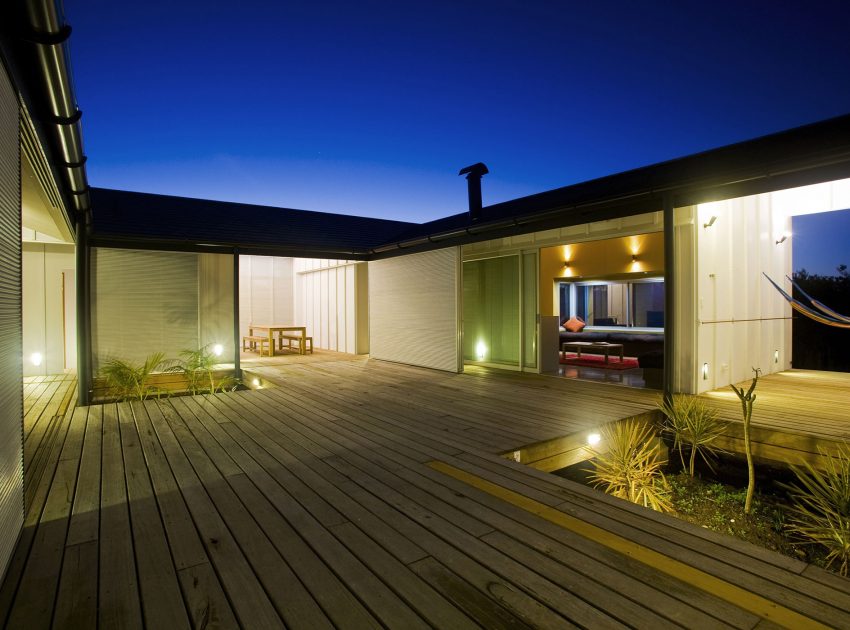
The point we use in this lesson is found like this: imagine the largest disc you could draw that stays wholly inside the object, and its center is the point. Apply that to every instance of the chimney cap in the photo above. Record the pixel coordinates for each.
(478, 169)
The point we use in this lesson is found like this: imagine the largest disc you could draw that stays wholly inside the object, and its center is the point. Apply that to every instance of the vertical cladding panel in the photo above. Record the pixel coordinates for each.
(11, 403)
(283, 290)
(333, 343)
(342, 312)
(413, 307)
(351, 313)
(324, 318)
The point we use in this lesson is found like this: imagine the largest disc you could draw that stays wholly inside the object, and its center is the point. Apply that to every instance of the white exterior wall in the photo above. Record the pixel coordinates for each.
(43, 313)
(330, 300)
(741, 319)
(414, 308)
(265, 291)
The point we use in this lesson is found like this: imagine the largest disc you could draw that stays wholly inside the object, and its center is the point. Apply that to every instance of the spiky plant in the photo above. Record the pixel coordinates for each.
(198, 367)
(747, 399)
(126, 381)
(695, 425)
(820, 506)
(631, 467)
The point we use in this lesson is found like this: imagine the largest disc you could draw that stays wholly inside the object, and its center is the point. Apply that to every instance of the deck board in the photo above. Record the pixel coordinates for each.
(316, 503)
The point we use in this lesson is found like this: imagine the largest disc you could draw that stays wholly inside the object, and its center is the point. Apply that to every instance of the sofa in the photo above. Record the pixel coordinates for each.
(634, 344)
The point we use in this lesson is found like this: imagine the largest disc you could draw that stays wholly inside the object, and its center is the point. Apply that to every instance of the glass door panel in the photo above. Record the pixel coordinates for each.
(491, 311)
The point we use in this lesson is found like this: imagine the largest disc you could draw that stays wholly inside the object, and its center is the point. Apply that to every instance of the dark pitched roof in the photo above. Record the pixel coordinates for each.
(796, 157)
(130, 219)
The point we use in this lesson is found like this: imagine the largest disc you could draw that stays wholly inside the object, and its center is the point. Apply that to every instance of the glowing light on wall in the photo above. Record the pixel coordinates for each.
(480, 350)
(705, 371)
(36, 358)
(217, 349)
(776, 356)
(568, 272)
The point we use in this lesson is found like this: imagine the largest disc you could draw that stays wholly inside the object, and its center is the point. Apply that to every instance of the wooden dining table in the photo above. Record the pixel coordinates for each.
(273, 329)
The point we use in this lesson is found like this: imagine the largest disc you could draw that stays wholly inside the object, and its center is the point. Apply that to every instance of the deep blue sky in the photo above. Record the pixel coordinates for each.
(372, 107)
(821, 241)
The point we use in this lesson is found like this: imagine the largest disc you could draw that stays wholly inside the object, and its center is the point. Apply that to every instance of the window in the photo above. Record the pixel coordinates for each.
(614, 303)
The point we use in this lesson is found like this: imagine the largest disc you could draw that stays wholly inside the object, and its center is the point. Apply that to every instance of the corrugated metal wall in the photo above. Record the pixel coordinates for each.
(11, 376)
(413, 309)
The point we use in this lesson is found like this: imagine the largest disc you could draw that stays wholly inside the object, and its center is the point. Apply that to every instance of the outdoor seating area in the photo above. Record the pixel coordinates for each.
(274, 338)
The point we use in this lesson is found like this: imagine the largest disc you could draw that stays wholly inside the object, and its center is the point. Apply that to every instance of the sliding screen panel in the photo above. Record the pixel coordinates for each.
(143, 302)
(413, 309)
(11, 397)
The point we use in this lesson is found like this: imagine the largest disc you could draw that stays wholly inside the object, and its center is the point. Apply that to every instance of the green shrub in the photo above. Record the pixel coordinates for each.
(125, 381)
(820, 507)
(694, 425)
(198, 367)
(630, 468)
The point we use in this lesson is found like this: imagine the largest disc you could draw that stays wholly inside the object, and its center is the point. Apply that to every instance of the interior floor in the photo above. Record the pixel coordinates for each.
(630, 378)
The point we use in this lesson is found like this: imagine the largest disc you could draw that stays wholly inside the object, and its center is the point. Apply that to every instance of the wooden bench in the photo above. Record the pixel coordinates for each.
(291, 338)
(250, 343)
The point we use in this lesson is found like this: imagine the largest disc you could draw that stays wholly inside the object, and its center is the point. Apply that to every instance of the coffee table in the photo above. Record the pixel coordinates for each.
(590, 346)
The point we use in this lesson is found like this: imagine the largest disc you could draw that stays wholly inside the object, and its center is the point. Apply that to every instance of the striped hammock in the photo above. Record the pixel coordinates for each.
(823, 314)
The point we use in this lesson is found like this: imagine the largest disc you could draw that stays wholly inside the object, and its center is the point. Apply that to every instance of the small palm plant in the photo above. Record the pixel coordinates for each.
(820, 507)
(631, 467)
(198, 367)
(694, 425)
(126, 381)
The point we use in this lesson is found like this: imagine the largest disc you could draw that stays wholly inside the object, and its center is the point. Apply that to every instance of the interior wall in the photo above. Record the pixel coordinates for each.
(330, 300)
(11, 391)
(266, 294)
(414, 309)
(608, 258)
(44, 308)
(742, 320)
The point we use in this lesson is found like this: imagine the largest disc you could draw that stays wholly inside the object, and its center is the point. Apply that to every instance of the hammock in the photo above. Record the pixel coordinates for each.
(825, 316)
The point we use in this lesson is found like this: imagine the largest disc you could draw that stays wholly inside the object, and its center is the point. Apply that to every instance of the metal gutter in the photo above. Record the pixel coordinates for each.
(49, 35)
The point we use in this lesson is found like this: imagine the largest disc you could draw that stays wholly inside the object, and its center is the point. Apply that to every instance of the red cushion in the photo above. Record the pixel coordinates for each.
(574, 324)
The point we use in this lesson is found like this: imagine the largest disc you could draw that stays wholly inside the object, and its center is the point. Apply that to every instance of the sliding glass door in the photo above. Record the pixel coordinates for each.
(500, 311)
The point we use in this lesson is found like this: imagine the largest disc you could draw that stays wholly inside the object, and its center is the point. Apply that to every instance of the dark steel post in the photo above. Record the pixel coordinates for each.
(669, 298)
(237, 342)
(83, 299)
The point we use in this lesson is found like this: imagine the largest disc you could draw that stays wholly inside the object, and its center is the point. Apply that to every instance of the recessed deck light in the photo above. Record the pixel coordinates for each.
(593, 439)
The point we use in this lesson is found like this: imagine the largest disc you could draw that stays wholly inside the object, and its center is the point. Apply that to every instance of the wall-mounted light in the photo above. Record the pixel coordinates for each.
(36, 358)
(710, 221)
(480, 350)
(566, 264)
(776, 356)
(705, 371)
(634, 258)
(783, 238)
(593, 439)
(217, 349)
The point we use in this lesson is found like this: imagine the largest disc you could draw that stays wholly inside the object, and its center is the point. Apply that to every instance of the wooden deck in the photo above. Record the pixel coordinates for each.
(797, 415)
(366, 494)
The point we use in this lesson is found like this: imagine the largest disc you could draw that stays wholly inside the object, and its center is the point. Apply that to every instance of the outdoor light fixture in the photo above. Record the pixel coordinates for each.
(593, 439)
(218, 349)
(776, 356)
(480, 350)
(710, 221)
(36, 358)
(705, 371)
(566, 264)
(783, 238)
(634, 258)
(255, 382)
